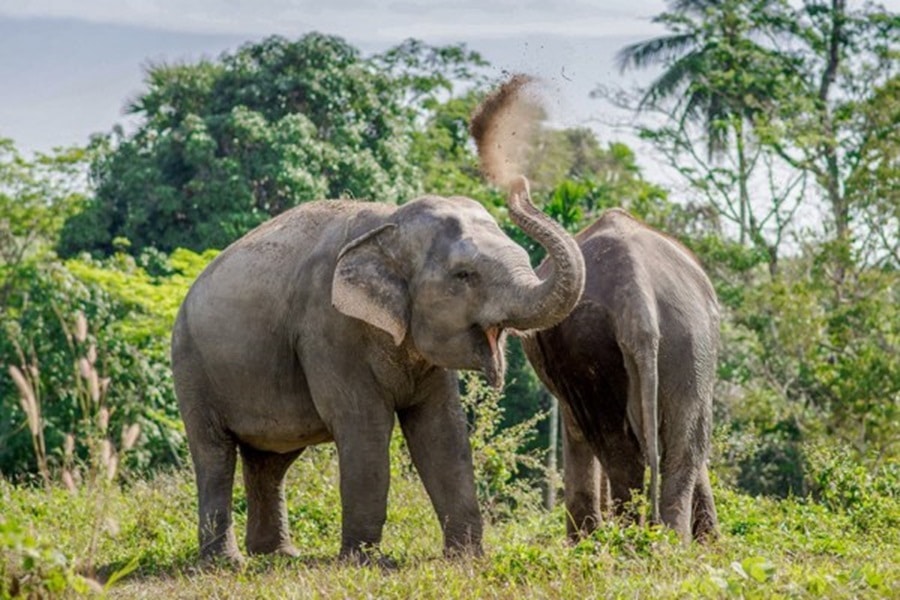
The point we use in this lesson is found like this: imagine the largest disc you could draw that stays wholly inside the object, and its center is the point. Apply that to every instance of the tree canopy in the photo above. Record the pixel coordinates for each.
(224, 145)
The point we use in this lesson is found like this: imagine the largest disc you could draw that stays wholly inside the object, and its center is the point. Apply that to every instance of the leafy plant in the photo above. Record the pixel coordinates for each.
(32, 568)
(496, 452)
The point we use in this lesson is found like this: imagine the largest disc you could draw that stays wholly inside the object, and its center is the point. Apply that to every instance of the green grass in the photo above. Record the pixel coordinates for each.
(791, 548)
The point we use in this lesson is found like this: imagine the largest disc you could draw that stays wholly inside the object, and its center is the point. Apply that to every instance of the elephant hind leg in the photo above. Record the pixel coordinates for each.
(214, 464)
(267, 522)
(623, 466)
(679, 479)
(705, 522)
(581, 483)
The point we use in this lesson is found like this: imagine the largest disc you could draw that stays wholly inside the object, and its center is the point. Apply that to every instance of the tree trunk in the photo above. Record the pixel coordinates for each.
(829, 148)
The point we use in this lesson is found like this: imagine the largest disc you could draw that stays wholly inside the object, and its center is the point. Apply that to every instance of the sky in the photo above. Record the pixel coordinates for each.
(68, 68)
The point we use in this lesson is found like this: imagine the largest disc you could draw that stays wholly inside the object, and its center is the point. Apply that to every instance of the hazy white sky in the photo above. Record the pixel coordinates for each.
(361, 20)
(68, 67)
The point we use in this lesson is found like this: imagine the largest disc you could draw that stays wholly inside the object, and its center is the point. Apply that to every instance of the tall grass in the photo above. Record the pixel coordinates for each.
(91, 477)
(769, 548)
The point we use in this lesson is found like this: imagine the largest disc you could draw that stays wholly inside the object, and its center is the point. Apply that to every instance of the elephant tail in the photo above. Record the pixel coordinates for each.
(648, 372)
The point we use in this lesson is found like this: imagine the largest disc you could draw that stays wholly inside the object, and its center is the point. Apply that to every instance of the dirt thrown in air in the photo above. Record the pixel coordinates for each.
(503, 126)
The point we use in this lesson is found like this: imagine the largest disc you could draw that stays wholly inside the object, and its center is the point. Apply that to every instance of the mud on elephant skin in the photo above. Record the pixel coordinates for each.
(327, 321)
(633, 366)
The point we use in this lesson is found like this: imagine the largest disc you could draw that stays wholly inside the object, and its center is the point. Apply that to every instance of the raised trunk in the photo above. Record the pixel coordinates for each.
(552, 299)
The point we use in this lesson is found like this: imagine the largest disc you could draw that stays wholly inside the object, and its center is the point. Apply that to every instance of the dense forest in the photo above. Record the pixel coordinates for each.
(778, 120)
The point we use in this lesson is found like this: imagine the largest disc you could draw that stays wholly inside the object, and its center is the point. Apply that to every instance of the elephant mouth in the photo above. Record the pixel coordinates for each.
(494, 365)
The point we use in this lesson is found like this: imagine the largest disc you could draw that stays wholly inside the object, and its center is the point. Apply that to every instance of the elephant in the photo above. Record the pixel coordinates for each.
(633, 367)
(329, 320)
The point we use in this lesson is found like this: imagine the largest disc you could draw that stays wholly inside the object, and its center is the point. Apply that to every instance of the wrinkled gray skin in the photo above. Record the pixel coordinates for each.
(326, 322)
(633, 367)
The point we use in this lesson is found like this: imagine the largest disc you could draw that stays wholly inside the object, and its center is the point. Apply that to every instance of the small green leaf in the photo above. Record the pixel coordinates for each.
(759, 568)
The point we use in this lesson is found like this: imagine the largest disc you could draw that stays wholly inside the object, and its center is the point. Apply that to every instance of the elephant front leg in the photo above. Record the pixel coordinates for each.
(435, 432)
(363, 453)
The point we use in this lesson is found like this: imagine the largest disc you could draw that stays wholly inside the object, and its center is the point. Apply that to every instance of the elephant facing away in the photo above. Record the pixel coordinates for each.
(328, 321)
(634, 366)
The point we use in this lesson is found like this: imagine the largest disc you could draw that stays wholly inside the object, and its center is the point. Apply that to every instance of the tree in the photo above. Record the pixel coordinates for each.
(843, 57)
(36, 196)
(224, 145)
(719, 77)
(874, 185)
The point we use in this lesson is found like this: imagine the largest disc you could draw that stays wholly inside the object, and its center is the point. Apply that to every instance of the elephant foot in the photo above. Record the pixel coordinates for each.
(283, 549)
(368, 557)
(459, 551)
(232, 560)
(221, 551)
(705, 530)
(288, 550)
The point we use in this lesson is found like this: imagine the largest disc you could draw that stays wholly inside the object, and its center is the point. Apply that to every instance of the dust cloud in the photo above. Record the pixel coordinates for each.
(503, 126)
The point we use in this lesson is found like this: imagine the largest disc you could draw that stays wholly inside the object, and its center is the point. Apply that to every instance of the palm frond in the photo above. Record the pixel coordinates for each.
(681, 73)
(697, 7)
(694, 108)
(717, 117)
(653, 51)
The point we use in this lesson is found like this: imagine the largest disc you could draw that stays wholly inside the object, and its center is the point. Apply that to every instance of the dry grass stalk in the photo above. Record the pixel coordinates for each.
(84, 368)
(106, 452)
(69, 447)
(31, 406)
(28, 399)
(111, 467)
(81, 327)
(103, 419)
(129, 436)
(69, 481)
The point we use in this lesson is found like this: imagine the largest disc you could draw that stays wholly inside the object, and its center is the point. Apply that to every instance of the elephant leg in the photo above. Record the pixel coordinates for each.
(214, 463)
(705, 522)
(641, 353)
(605, 497)
(435, 432)
(363, 443)
(686, 495)
(623, 465)
(267, 522)
(679, 478)
(581, 482)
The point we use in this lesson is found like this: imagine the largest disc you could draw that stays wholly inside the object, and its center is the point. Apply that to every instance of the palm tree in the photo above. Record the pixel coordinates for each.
(717, 75)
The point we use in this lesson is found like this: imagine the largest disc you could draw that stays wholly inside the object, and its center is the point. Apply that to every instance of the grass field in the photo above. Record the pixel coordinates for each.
(768, 548)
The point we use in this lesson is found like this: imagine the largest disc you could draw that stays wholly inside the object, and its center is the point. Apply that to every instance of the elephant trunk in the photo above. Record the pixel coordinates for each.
(549, 301)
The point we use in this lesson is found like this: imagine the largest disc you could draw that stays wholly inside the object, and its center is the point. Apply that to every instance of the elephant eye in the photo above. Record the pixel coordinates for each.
(463, 275)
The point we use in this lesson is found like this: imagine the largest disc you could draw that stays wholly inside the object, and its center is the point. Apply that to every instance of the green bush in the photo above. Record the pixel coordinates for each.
(499, 454)
(32, 568)
(867, 491)
(129, 315)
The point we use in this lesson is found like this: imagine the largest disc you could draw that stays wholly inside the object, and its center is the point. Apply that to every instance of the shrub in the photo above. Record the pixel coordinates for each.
(32, 568)
(868, 493)
(130, 314)
(497, 453)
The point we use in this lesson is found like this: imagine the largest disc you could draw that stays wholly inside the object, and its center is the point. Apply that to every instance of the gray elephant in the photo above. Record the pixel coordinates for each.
(327, 321)
(633, 366)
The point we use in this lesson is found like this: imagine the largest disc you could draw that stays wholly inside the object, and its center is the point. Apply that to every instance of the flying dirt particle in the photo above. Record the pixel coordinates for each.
(503, 126)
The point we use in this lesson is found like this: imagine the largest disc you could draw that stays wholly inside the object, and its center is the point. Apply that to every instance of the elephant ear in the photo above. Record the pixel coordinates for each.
(368, 284)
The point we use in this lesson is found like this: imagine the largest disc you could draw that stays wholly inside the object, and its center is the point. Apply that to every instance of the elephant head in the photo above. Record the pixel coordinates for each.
(440, 275)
